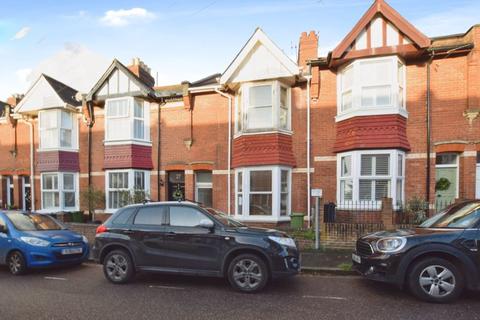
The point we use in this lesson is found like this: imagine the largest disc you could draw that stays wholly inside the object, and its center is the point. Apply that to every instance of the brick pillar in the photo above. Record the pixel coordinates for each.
(189, 185)
(387, 213)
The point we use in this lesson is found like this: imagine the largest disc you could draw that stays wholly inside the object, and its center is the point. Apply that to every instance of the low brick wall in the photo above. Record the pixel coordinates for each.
(86, 229)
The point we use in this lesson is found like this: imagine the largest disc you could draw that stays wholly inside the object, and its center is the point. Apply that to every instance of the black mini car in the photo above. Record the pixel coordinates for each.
(184, 238)
(436, 260)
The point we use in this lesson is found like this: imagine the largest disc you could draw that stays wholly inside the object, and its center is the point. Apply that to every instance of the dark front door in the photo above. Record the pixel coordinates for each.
(176, 185)
(148, 232)
(27, 195)
(189, 246)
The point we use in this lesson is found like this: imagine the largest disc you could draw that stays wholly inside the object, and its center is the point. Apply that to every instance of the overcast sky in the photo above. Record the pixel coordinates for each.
(74, 41)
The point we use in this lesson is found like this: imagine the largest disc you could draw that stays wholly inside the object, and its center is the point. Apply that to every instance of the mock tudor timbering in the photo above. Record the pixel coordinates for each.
(237, 140)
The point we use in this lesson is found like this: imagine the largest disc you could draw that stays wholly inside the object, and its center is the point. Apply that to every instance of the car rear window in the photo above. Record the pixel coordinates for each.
(151, 215)
(123, 216)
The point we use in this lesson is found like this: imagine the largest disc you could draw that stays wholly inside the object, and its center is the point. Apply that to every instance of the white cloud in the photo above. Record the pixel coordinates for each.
(22, 33)
(23, 75)
(454, 20)
(74, 65)
(122, 17)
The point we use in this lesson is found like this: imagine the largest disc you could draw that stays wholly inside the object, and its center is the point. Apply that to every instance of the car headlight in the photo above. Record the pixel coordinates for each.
(284, 241)
(84, 239)
(35, 241)
(390, 244)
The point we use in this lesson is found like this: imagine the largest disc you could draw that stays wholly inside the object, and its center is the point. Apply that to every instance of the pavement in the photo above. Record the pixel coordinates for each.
(83, 293)
(327, 261)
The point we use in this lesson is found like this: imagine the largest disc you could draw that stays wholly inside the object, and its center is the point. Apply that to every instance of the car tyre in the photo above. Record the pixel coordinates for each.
(436, 280)
(118, 267)
(16, 263)
(248, 273)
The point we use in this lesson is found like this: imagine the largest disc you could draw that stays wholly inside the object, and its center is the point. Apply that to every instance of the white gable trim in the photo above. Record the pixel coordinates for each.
(259, 37)
(34, 101)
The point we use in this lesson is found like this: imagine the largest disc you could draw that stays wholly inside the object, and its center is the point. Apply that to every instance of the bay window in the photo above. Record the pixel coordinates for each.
(263, 106)
(371, 86)
(365, 177)
(127, 118)
(125, 186)
(58, 129)
(59, 191)
(263, 193)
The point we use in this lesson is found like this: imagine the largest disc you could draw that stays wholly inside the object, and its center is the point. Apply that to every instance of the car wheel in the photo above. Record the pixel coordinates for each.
(16, 263)
(436, 280)
(118, 267)
(248, 273)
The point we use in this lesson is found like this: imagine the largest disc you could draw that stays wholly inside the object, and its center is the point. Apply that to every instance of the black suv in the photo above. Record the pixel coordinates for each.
(436, 260)
(185, 238)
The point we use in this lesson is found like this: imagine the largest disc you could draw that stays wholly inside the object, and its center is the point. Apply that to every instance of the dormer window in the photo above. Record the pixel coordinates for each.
(263, 106)
(127, 119)
(371, 87)
(58, 129)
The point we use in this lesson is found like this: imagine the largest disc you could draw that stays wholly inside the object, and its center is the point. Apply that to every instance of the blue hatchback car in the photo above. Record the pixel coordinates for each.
(29, 240)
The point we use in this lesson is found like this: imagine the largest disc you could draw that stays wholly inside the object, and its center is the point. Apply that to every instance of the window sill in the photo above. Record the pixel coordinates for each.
(56, 210)
(128, 141)
(266, 131)
(370, 112)
(57, 149)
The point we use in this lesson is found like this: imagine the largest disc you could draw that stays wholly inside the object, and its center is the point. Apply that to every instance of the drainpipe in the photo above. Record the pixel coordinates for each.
(32, 173)
(159, 182)
(229, 159)
(428, 120)
(309, 78)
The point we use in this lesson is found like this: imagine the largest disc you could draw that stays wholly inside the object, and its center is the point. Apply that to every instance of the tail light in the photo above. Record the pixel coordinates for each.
(101, 229)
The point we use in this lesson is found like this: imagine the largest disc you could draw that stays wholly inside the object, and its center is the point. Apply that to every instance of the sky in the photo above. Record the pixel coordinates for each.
(75, 41)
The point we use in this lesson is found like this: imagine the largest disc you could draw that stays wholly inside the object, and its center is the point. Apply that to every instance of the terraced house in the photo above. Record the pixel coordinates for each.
(389, 113)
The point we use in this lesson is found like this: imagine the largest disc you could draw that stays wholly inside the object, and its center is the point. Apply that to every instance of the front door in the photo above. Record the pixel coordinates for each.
(176, 185)
(26, 194)
(446, 180)
(190, 247)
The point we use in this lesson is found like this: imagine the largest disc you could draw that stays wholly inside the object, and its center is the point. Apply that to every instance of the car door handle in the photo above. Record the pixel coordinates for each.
(170, 234)
(128, 231)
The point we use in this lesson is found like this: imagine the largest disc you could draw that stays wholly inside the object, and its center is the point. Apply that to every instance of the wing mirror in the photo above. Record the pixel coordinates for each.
(206, 223)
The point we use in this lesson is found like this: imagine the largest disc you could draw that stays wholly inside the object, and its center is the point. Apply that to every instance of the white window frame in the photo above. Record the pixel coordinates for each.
(61, 190)
(242, 107)
(58, 128)
(131, 120)
(356, 176)
(356, 90)
(131, 184)
(276, 192)
(203, 185)
(10, 186)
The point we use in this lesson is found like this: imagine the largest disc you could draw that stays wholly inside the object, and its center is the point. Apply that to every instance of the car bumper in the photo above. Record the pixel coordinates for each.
(285, 263)
(55, 257)
(378, 267)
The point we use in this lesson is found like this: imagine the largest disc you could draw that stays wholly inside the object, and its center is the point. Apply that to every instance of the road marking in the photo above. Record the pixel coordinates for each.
(166, 287)
(55, 278)
(324, 297)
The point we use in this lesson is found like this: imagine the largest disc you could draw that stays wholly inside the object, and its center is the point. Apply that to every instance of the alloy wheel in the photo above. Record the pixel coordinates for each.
(15, 263)
(437, 281)
(247, 274)
(117, 267)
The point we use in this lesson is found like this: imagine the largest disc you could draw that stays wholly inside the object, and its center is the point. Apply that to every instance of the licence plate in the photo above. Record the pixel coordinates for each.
(72, 251)
(356, 258)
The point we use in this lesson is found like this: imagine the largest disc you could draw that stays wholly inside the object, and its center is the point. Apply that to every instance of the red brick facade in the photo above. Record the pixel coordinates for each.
(194, 136)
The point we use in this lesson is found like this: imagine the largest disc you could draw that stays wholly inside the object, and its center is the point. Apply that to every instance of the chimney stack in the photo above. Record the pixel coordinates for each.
(307, 48)
(14, 99)
(141, 70)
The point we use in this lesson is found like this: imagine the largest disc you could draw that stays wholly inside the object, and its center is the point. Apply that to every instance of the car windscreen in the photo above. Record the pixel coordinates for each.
(224, 219)
(33, 222)
(464, 215)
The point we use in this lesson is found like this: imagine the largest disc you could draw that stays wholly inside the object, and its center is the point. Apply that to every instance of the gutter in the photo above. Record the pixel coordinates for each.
(229, 159)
